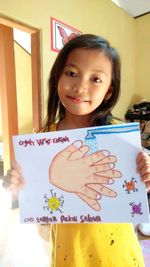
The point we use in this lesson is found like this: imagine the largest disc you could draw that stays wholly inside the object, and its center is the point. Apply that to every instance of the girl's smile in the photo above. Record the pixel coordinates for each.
(85, 81)
(77, 100)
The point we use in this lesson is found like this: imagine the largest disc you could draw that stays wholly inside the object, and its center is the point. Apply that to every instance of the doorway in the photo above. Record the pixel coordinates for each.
(8, 91)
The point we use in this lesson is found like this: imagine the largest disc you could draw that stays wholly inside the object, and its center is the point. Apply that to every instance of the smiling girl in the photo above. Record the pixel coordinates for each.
(84, 86)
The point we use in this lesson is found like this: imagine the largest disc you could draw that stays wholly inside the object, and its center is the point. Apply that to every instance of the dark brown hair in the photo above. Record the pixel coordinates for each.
(86, 41)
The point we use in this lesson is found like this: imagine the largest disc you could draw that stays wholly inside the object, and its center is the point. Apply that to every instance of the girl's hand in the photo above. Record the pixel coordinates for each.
(143, 167)
(13, 180)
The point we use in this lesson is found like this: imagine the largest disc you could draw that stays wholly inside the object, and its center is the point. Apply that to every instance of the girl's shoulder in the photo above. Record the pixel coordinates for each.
(53, 127)
(46, 129)
(115, 120)
(109, 119)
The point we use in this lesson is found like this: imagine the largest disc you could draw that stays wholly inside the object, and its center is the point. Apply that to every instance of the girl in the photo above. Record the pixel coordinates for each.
(84, 86)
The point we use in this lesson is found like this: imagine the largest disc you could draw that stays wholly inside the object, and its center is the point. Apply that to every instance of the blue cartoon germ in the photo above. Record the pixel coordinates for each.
(53, 203)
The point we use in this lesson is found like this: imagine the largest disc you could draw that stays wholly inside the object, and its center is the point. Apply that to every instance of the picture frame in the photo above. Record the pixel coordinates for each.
(61, 33)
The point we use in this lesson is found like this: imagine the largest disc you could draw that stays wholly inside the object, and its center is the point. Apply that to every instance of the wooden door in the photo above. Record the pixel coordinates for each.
(8, 96)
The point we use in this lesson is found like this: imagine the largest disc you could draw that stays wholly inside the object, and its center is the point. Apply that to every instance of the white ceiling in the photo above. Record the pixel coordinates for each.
(134, 7)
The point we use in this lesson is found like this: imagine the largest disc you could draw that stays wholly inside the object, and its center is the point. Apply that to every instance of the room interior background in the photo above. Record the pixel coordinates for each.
(102, 17)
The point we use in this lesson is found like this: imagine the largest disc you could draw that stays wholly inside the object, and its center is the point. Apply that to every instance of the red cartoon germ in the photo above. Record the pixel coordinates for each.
(130, 186)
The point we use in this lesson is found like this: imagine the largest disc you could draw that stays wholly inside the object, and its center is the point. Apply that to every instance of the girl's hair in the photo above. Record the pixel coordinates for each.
(86, 41)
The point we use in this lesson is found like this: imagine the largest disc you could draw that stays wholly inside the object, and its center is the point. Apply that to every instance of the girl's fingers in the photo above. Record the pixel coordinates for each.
(141, 155)
(15, 165)
(145, 173)
(12, 183)
(13, 176)
(142, 163)
(103, 190)
(94, 204)
(13, 179)
(147, 185)
(13, 172)
(11, 187)
(143, 166)
(142, 158)
(145, 177)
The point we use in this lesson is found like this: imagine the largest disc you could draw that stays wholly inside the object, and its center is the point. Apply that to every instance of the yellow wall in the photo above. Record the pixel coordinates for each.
(24, 89)
(142, 81)
(0, 122)
(100, 17)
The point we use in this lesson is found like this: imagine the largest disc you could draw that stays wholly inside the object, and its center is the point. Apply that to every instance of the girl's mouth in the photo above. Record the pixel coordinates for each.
(77, 100)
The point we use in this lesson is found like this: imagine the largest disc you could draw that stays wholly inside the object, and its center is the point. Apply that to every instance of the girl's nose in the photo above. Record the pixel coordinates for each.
(80, 87)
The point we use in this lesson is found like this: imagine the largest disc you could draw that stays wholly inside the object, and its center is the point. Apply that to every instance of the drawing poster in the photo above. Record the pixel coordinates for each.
(84, 175)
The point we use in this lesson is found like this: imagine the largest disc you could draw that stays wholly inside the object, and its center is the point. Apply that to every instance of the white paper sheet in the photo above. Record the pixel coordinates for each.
(66, 180)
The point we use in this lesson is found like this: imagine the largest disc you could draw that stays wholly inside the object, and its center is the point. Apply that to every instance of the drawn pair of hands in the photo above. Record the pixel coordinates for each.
(87, 176)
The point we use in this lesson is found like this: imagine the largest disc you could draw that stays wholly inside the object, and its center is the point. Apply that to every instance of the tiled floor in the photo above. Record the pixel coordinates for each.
(21, 245)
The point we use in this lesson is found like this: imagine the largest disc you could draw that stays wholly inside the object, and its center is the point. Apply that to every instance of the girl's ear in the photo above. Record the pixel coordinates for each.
(108, 94)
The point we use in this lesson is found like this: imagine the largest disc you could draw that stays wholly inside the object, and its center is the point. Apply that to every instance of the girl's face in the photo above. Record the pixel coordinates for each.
(85, 81)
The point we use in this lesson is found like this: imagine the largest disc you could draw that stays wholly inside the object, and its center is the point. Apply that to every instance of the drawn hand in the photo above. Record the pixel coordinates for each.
(94, 203)
(143, 166)
(84, 174)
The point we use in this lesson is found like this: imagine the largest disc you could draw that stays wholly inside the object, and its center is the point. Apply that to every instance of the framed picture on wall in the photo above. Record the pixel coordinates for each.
(61, 33)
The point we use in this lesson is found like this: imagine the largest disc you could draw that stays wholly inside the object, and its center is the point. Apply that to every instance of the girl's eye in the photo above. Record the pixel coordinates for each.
(71, 74)
(96, 80)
